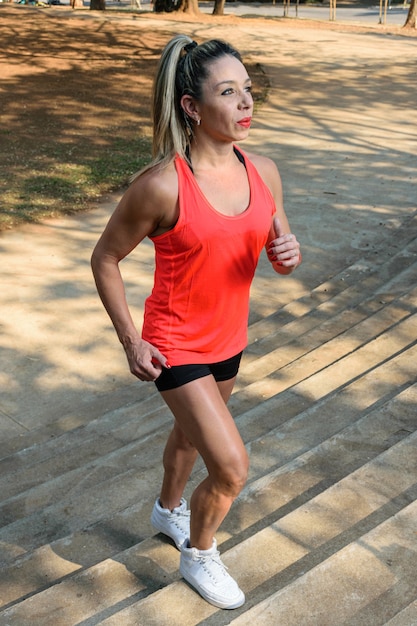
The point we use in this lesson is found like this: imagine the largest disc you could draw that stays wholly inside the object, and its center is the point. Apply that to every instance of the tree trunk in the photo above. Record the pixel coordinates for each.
(182, 6)
(189, 6)
(219, 7)
(411, 21)
(97, 5)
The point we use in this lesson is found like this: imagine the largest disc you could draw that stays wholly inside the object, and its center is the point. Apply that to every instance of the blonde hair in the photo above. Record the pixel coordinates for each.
(182, 70)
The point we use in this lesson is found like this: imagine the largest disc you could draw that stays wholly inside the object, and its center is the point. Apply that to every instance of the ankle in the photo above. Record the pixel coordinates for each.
(169, 504)
(201, 540)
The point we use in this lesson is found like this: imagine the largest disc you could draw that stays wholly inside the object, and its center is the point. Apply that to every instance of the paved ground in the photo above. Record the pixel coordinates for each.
(364, 15)
(340, 124)
(371, 15)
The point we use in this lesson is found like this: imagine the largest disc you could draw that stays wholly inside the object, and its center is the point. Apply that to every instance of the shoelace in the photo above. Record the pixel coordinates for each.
(214, 558)
(181, 520)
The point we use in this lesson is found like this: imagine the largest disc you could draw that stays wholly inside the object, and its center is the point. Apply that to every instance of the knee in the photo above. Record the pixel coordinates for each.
(232, 477)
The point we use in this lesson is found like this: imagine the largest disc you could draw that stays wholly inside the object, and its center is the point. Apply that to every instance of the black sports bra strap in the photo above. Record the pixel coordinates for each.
(239, 155)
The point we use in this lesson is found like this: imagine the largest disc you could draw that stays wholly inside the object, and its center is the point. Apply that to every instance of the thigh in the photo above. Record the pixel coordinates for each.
(200, 410)
(225, 388)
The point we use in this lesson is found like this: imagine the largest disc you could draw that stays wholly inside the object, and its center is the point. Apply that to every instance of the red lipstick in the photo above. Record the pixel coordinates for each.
(246, 121)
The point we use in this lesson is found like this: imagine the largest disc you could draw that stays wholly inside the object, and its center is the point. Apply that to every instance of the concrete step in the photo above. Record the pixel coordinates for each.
(277, 556)
(300, 478)
(326, 406)
(63, 419)
(334, 541)
(407, 617)
(81, 446)
(344, 451)
(337, 338)
(367, 282)
(371, 577)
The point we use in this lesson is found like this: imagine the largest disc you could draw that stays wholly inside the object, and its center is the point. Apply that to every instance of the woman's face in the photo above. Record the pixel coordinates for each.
(226, 106)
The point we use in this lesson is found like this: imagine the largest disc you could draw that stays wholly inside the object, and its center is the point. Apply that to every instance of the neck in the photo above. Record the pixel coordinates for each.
(210, 156)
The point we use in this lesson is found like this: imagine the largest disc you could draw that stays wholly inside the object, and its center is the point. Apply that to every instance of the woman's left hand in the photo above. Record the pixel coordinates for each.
(284, 250)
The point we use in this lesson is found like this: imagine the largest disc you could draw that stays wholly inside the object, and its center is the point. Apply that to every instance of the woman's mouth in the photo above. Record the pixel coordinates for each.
(245, 122)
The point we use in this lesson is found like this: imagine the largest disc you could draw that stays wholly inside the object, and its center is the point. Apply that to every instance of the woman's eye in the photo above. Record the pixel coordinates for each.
(229, 91)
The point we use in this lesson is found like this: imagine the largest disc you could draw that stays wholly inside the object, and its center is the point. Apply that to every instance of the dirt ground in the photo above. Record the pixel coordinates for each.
(75, 86)
(72, 81)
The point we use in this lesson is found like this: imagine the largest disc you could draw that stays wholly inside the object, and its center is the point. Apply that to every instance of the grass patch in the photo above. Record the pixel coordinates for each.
(62, 179)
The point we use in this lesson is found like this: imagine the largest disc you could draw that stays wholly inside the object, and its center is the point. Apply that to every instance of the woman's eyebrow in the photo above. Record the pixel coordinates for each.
(231, 81)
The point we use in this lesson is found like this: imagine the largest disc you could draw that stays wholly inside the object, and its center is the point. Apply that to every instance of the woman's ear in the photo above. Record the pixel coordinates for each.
(190, 107)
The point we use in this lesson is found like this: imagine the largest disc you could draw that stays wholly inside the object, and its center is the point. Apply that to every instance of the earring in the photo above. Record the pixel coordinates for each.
(198, 122)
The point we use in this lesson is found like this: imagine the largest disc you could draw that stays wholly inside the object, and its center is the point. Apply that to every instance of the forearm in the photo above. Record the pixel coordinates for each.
(111, 290)
(145, 360)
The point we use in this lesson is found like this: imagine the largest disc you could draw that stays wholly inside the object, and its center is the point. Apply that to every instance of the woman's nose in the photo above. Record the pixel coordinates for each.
(246, 101)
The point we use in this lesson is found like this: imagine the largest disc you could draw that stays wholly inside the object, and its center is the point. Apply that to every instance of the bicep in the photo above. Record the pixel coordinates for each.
(122, 234)
(132, 221)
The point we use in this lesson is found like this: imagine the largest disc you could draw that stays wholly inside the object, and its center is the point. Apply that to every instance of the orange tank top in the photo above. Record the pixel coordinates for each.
(199, 306)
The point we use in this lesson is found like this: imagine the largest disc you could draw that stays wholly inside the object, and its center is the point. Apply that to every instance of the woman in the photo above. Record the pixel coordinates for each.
(209, 209)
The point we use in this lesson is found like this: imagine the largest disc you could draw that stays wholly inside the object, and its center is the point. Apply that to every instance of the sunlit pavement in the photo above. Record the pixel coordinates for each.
(395, 16)
(365, 15)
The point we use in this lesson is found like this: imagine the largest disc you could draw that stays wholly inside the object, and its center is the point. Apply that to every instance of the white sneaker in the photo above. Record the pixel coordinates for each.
(175, 524)
(204, 570)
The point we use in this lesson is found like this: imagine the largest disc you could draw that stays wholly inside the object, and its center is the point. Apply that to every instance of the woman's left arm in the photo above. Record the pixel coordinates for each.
(282, 247)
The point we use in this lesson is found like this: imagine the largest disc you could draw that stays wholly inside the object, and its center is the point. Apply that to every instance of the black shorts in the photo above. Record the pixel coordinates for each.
(179, 375)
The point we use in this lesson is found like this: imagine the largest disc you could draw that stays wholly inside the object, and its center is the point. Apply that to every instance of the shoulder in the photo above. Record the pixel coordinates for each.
(268, 172)
(157, 186)
(265, 166)
(152, 196)
(149, 204)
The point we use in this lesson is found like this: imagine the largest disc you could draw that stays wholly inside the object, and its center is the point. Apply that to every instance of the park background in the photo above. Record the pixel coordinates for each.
(324, 533)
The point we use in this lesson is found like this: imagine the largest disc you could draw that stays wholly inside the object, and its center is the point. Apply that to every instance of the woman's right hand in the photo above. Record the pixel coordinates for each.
(145, 361)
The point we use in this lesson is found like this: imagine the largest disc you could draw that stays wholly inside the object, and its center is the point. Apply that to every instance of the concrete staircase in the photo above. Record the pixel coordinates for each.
(325, 532)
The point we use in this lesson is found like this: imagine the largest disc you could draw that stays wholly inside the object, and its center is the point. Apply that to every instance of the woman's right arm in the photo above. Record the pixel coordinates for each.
(135, 218)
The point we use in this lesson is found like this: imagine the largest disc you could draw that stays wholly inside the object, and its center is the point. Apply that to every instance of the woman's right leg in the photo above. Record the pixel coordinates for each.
(200, 411)
(178, 460)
